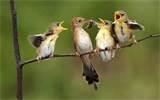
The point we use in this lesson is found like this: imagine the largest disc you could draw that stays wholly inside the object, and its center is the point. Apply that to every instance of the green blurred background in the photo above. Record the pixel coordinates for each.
(131, 75)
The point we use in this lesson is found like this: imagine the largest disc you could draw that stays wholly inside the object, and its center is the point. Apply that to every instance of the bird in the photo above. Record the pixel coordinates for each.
(83, 44)
(45, 43)
(124, 28)
(104, 39)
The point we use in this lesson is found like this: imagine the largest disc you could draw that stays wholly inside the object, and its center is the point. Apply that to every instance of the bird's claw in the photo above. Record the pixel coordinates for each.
(39, 58)
(77, 54)
(135, 41)
(96, 51)
(52, 55)
(117, 46)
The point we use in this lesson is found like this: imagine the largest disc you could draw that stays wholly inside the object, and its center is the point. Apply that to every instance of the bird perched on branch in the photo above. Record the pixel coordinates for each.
(83, 44)
(105, 40)
(45, 43)
(124, 27)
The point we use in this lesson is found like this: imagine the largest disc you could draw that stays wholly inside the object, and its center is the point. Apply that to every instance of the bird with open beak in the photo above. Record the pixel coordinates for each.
(45, 43)
(83, 44)
(105, 40)
(124, 27)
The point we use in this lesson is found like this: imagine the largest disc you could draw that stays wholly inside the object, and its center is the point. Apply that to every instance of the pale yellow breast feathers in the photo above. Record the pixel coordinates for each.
(103, 34)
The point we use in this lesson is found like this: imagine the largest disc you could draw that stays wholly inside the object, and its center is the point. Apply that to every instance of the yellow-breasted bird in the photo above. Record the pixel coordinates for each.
(124, 27)
(45, 43)
(105, 40)
(83, 44)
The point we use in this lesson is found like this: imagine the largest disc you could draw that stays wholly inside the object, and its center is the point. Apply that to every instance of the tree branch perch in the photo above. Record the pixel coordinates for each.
(19, 70)
(74, 55)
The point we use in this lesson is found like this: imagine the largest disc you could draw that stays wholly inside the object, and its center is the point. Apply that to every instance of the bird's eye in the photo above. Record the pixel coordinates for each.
(57, 24)
(122, 14)
(106, 23)
(79, 20)
(126, 22)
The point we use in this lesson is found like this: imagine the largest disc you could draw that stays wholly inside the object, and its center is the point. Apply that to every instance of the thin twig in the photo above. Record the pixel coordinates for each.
(19, 70)
(74, 55)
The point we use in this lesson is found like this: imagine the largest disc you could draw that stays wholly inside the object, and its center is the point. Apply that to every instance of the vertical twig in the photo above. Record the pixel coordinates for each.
(16, 50)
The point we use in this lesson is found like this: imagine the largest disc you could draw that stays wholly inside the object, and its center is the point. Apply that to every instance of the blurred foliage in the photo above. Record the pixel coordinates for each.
(132, 75)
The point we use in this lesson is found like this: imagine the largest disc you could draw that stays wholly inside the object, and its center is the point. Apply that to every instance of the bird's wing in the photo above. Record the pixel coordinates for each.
(135, 26)
(36, 40)
(114, 33)
(75, 39)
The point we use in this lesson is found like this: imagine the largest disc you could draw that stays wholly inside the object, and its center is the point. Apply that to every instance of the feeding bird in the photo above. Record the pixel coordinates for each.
(45, 43)
(105, 40)
(124, 27)
(83, 44)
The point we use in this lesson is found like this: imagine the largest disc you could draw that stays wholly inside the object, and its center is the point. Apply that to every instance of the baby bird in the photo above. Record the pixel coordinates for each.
(105, 40)
(83, 44)
(45, 43)
(124, 27)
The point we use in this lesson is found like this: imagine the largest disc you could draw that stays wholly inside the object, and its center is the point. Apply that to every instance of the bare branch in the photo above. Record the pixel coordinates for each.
(74, 55)
(19, 70)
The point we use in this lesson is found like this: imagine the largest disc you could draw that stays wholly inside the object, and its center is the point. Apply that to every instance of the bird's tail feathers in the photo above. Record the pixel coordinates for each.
(90, 73)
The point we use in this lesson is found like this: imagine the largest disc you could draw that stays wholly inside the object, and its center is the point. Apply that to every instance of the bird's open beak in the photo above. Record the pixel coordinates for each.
(117, 16)
(101, 20)
(90, 23)
(62, 28)
(61, 22)
(99, 25)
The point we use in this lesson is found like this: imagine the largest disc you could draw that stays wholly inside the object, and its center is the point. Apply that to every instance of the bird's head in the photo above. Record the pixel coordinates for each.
(56, 27)
(78, 22)
(104, 24)
(120, 16)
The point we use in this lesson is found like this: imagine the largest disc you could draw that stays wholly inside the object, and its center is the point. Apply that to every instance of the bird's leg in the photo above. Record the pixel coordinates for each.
(118, 46)
(38, 58)
(77, 54)
(113, 53)
(97, 50)
(51, 55)
(133, 38)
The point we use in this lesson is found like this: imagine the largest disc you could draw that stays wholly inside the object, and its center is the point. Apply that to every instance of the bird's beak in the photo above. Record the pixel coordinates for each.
(99, 25)
(61, 22)
(101, 20)
(117, 16)
(90, 23)
(62, 28)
